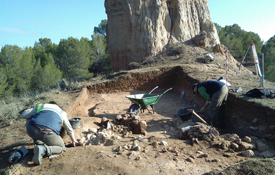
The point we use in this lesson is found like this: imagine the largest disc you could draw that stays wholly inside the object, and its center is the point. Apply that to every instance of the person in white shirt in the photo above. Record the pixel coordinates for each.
(44, 124)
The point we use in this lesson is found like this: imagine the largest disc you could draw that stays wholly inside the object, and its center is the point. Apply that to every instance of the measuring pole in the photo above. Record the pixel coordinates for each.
(244, 57)
(226, 53)
(262, 77)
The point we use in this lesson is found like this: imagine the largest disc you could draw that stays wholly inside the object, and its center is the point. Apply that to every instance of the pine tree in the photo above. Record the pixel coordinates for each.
(74, 58)
(3, 83)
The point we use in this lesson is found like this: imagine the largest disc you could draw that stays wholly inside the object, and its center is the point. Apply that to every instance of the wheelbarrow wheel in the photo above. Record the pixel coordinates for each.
(134, 110)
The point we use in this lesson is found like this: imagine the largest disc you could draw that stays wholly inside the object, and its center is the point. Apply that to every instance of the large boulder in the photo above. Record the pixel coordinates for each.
(140, 28)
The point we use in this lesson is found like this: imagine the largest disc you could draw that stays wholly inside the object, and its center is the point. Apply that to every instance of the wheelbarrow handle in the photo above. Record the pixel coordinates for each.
(162, 94)
(153, 89)
(165, 92)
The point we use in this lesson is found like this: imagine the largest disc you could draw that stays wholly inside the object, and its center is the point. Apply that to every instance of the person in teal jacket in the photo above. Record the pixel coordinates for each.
(44, 123)
(215, 92)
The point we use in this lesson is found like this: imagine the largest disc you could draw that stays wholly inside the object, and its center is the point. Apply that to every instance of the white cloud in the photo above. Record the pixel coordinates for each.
(12, 30)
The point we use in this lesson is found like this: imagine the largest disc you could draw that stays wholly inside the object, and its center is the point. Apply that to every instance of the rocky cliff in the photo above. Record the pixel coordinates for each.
(140, 28)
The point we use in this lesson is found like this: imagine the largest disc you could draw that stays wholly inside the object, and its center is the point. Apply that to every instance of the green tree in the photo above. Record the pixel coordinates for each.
(47, 76)
(43, 48)
(218, 28)
(238, 40)
(3, 82)
(74, 58)
(25, 73)
(9, 58)
(268, 45)
(45, 67)
(18, 65)
(269, 59)
(101, 29)
(98, 45)
(236, 47)
(100, 58)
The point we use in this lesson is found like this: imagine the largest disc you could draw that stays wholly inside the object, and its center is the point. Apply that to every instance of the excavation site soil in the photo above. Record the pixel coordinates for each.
(114, 142)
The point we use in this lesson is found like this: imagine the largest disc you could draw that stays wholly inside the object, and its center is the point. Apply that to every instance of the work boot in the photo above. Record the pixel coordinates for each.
(38, 142)
(39, 151)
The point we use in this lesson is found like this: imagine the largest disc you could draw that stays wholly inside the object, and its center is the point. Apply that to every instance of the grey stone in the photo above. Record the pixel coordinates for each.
(247, 139)
(267, 154)
(248, 153)
(164, 143)
(261, 146)
(245, 146)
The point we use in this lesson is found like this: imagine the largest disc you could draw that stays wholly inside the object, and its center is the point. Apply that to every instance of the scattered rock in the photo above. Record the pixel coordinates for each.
(92, 130)
(135, 148)
(155, 144)
(219, 48)
(141, 139)
(200, 40)
(88, 136)
(82, 141)
(195, 141)
(232, 137)
(246, 146)
(215, 160)
(118, 117)
(189, 159)
(228, 154)
(143, 126)
(234, 146)
(212, 160)
(261, 146)
(248, 153)
(109, 142)
(247, 139)
(267, 154)
(118, 149)
(223, 144)
(164, 143)
(133, 65)
(208, 58)
(104, 122)
(131, 154)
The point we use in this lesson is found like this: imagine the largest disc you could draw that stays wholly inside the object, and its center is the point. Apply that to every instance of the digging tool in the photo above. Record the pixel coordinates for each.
(212, 132)
(201, 119)
(192, 99)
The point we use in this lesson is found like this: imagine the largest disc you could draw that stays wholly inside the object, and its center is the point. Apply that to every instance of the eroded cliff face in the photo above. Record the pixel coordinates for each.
(140, 28)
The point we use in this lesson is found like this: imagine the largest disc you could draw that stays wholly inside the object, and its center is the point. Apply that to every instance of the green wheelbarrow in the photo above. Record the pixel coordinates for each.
(143, 101)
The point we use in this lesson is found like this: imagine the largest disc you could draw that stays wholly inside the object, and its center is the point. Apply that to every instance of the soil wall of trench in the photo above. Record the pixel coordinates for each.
(243, 117)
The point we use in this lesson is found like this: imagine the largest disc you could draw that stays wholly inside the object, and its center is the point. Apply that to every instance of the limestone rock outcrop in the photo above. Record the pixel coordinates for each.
(140, 28)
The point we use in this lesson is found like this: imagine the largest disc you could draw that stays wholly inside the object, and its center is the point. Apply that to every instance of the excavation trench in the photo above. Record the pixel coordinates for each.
(240, 114)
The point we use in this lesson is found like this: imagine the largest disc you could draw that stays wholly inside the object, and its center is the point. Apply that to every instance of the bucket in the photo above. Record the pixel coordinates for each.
(75, 122)
(184, 114)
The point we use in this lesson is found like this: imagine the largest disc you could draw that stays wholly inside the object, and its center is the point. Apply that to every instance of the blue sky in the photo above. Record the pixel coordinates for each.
(22, 22)
(251, 15)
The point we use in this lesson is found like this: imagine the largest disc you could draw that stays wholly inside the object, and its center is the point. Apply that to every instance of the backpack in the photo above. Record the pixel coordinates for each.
(258, 93)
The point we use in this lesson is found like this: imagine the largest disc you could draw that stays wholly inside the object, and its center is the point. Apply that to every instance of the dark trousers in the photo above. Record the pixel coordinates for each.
(217, 107)
(54, 143)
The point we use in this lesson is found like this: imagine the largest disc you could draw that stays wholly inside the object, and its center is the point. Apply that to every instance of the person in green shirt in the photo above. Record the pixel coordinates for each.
(215, 92)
